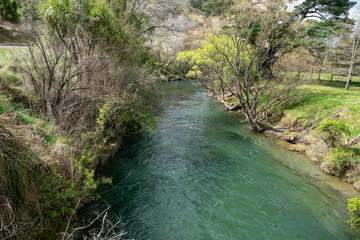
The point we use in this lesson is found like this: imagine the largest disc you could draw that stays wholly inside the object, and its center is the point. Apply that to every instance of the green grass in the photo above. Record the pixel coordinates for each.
(315, 103)
(326, 77)
(336, 78)
(7, 66)
(22, 115)
(6, 56)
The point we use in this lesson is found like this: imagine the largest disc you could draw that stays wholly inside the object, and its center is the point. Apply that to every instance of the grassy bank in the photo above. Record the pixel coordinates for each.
(312, 104)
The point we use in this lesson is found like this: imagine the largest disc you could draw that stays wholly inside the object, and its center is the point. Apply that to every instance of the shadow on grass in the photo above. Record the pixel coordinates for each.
(334, 84)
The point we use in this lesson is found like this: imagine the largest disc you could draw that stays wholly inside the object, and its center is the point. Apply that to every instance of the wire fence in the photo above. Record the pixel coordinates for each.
(327, 77)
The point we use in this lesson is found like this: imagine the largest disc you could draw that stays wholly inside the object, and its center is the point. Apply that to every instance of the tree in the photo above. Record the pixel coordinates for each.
(355, 39)
(81, 55)
(324, 9)
(8, 10)
(343, 56)
(233, 63)
(328, 14)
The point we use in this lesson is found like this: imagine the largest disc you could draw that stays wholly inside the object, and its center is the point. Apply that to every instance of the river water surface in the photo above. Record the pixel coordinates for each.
(203, 175)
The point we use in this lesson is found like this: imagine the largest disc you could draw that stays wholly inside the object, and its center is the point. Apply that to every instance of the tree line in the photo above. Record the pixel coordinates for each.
(250, 58)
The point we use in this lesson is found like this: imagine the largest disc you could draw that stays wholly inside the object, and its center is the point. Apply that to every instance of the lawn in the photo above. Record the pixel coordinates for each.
(315, 103)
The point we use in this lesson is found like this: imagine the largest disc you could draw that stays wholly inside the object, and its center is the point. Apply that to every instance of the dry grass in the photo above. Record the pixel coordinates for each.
(16, 168)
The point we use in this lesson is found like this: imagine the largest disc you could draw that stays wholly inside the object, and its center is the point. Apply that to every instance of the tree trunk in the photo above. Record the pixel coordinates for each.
(222, 90)
(356, 40)
(350, 74)
(321, 65)
(255, 126)
(331, 77)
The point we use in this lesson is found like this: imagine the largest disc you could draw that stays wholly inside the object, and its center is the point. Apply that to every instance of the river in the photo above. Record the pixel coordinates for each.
(203, 175)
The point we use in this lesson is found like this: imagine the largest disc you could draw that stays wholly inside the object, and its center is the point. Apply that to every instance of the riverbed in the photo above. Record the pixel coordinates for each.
(203, 175)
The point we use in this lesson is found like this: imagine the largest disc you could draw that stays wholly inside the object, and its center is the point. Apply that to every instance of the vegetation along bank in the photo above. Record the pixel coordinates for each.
(84, 79)
(292, 78)
(88, 75)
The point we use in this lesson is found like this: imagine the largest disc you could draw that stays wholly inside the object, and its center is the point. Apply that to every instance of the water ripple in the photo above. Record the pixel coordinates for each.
(201, 175)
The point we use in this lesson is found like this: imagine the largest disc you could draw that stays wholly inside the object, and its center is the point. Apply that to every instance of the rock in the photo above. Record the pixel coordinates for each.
(299, 148)
(291, 138)
(325, 167)
(356, 185)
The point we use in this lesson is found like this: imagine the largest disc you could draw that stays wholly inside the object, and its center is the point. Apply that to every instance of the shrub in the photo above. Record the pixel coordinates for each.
(333, 132)
(340, 159)
(216, 7)
(16, 167)
(353, 207)
(8, 10)
(197, 3)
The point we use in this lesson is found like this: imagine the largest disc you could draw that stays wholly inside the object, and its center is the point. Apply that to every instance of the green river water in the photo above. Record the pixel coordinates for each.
(203, 175)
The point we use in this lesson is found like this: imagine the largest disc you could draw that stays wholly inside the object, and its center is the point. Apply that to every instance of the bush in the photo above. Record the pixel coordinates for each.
(8, 10)
(197, 3)
(333, 132)
(353, 207)
(16, 168)
(216, 7)
(340, 159)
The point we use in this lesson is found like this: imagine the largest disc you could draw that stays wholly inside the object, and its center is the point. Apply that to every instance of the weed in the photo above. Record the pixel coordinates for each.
(332, 132)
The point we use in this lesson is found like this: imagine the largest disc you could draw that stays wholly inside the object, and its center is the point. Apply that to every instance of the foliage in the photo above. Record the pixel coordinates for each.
(9, 10)
(60, 196)
(216, 7)
(95, 17)
(212, 7)
(354, 209)
(315, 34)
(29, 10)
(88, 74)
(236, 63)
(323, 8)
(85, 54)
(197, 3)
(340, 159)
(333, 132)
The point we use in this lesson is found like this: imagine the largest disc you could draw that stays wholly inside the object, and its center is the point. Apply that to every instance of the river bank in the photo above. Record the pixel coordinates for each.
(202, 174)
(297, 131)
(50, 151)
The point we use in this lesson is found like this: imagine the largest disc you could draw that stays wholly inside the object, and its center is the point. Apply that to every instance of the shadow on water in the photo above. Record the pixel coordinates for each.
(201, 175)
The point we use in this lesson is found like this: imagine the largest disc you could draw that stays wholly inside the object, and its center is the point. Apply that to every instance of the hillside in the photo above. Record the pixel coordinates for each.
(170, 23)
(10, 34)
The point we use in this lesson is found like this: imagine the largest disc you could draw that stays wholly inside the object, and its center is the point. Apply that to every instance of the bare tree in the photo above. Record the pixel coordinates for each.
(54, 73)
(355, 39)
(236, 62)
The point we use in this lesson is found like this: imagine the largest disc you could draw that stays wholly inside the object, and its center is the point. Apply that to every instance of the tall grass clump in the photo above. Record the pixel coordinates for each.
(16, 164)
